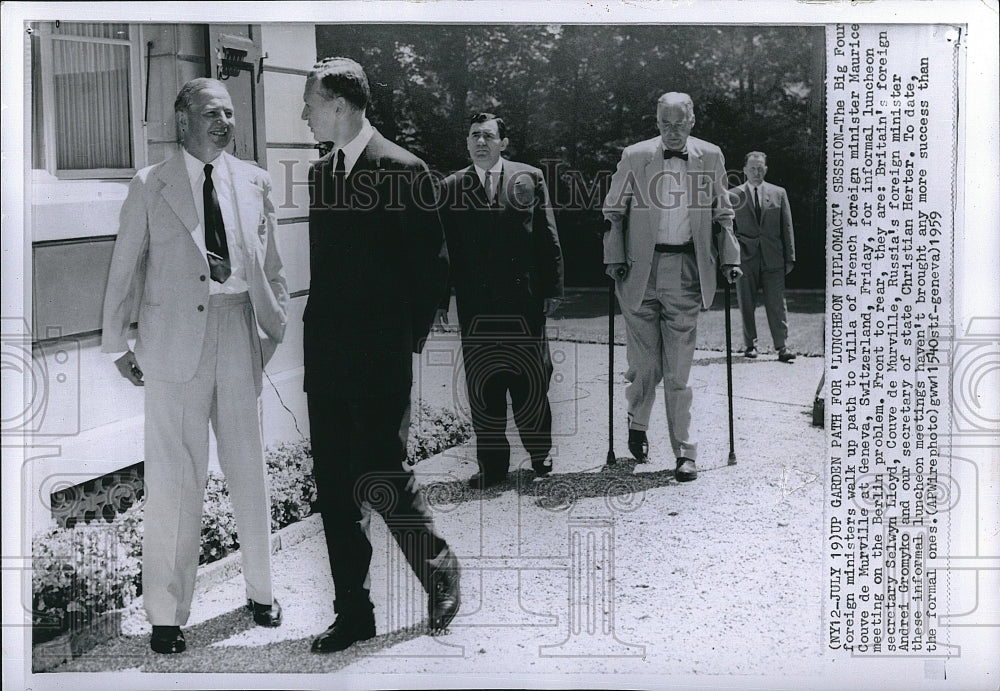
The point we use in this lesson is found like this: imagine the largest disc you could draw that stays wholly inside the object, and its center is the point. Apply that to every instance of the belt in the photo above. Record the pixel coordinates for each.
(686, 248)
(221, 299)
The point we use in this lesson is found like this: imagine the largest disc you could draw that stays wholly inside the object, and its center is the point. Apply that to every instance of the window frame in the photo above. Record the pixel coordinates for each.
(136, 84)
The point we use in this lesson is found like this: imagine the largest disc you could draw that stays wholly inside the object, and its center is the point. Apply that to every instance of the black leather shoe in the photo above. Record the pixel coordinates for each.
(542, 468)
(484, 480)
(750, 352)
(345, 632)
(265, 615)
(444, 597)
(167, 640)
(785, 355)
(686, 470)
(638, 445)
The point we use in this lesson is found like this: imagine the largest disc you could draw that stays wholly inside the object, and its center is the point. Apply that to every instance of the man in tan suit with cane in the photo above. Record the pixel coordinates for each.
(196, 258)
(664, 198)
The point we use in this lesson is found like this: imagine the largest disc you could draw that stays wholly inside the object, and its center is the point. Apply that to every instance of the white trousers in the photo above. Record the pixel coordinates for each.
(225, 391)
(660, 341)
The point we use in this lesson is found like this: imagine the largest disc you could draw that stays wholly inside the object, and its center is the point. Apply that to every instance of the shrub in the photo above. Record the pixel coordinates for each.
(218, 524)
(293, 489)
(77, 574)
(81, 572)
(432, 430)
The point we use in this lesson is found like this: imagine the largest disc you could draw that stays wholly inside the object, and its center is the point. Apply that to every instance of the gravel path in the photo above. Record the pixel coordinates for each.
(596, 570)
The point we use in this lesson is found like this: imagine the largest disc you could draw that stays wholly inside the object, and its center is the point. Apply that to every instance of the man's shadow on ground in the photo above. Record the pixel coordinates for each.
(559, 489)
(556, 492)
(129, 653)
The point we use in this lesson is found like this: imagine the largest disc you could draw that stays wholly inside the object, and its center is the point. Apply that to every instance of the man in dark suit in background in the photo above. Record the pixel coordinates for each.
(378, 266)
(767, 250)
(507, 270)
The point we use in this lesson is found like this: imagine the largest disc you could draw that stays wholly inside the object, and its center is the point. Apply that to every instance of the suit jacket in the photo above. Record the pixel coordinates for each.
(378, 265)
(773, 238)
(634, 214)
(506, 253)
(158, 271)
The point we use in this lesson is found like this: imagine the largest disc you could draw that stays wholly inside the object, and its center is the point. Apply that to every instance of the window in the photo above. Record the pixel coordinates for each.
(85, 80)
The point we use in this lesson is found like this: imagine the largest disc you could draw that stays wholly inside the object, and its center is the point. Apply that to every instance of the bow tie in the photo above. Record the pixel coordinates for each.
(668, 154)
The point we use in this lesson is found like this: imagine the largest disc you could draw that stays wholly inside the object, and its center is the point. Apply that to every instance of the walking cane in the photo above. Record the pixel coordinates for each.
(611, 372)
(729, 371)
(717, 230)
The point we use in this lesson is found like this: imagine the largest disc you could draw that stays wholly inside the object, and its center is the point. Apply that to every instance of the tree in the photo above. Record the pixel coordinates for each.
(575, 95)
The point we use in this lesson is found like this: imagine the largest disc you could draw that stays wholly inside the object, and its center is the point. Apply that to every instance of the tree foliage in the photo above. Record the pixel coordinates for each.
(574, 96)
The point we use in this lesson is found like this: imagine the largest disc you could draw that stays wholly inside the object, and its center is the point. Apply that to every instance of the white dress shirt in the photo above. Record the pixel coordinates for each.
(673, 196)
(354, 148)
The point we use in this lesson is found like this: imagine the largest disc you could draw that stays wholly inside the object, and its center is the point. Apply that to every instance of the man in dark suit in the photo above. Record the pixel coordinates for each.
(767, 250)
(378, 266)
(507, 270)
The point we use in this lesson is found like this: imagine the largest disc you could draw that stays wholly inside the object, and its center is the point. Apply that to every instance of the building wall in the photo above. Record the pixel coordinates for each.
(87, 420)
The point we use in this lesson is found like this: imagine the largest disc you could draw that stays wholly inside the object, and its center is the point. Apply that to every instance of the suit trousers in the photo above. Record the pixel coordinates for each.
(506, 351)
(225, 391)
(359, 448)
(660, 339)
(755, 277)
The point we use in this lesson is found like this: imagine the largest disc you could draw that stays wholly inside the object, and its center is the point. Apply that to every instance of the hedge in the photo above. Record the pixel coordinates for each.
(81, 572)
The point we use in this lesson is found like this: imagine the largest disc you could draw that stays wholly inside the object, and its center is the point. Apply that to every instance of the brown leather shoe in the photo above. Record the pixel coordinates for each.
(750, 352)
(444, 596)
(167, 640)
(686, 470)
(347, 630)
(265, 615)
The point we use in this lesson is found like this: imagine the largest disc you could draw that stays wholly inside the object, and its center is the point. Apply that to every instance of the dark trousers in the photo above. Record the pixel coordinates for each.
(507, 352)
(359, 447)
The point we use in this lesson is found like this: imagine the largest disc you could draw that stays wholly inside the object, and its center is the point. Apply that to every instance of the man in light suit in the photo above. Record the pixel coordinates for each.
(507, 269)
(196, 258)
(378, 267)
(664, 198)
(767, 250)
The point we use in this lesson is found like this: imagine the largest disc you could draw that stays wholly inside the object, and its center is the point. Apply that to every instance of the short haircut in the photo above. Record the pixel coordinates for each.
(676, 98)
(187, 93)
(342, 77)
(486, 117)
(755, 154)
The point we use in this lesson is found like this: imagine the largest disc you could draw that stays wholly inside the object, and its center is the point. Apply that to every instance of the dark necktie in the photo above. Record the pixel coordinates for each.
(215, 231)
(668, 154)
(339, 177)
(339, 169)
(490, 185)
(756, 205)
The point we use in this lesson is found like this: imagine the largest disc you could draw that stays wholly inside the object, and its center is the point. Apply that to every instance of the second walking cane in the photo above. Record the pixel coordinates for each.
(729, 370)
(717, 232)
(611, 372)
